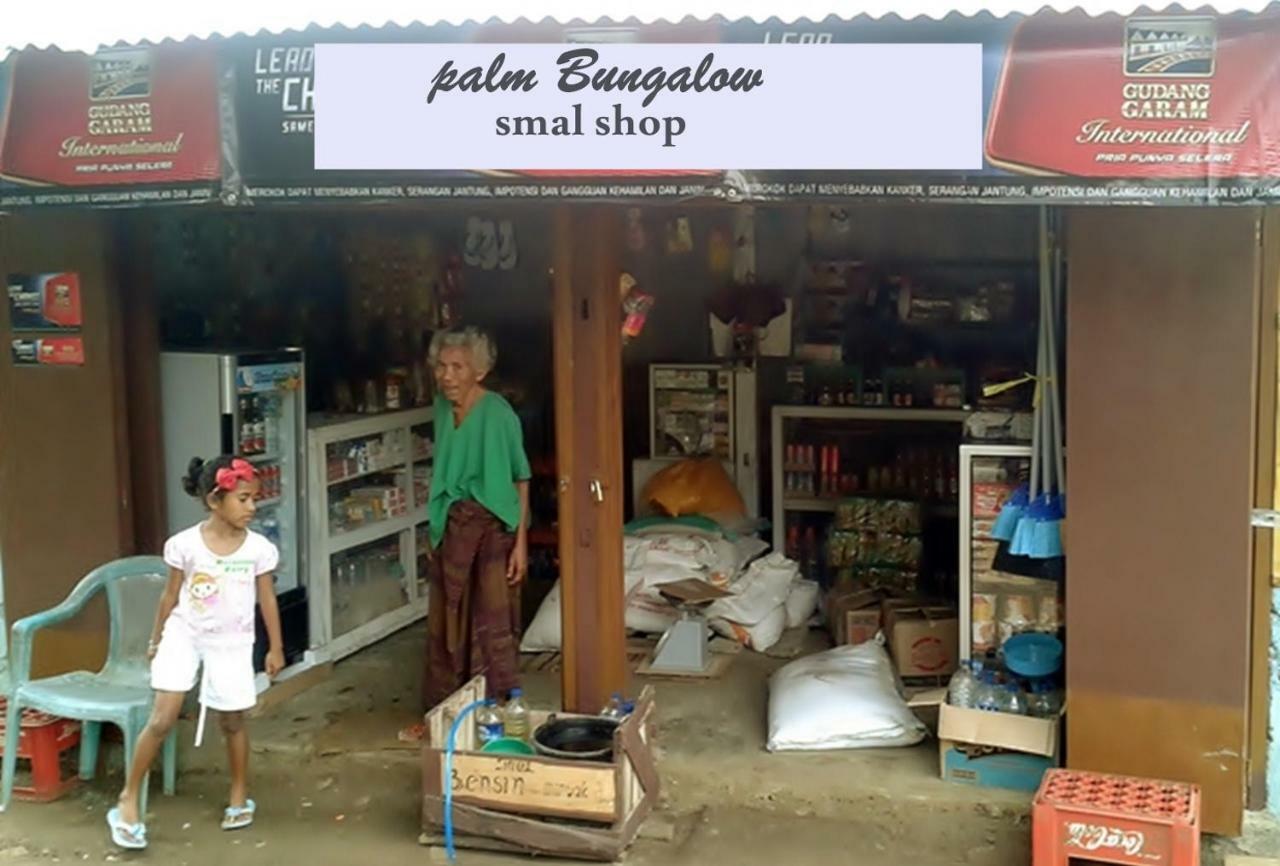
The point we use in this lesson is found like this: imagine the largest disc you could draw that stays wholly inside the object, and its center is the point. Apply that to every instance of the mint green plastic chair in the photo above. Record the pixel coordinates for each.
(120, 694)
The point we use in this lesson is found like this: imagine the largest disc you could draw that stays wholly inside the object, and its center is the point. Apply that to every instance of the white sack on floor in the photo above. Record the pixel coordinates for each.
(758, 636)
(756, 594)
(802, 603)
(845, 698)
(543, 633)
(644, 613)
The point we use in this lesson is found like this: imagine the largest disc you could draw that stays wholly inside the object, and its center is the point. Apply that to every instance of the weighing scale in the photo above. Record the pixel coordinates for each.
(684, 648)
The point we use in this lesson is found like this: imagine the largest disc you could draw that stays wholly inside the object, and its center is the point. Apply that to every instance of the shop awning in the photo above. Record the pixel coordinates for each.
(90, 26)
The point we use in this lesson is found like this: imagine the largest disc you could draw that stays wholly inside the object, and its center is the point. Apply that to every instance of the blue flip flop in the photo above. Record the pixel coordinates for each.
(130, 836)
(238, 817)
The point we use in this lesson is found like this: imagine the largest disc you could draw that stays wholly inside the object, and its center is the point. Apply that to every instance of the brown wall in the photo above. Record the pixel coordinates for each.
(64, 488)
(1161, 355)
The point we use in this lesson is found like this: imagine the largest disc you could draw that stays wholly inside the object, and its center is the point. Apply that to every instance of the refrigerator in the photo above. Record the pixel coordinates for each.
(252, 404)
(703, 410)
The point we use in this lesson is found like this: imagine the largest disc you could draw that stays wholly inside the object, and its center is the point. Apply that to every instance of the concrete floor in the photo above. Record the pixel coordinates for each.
(335, 786)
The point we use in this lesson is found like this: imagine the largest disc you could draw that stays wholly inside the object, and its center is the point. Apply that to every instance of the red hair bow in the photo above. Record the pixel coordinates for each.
(239, 470)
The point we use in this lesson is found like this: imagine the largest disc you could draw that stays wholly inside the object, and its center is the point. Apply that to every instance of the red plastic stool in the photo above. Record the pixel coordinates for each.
(43, 740)
(1114, 819)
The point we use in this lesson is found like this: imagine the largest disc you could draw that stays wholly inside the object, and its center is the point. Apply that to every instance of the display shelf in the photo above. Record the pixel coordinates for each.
(340, 542)
(332, 547)
(819, 506)
(969, 582)
(270, 457)
(390, 466)
(785, 415)
(868, 413)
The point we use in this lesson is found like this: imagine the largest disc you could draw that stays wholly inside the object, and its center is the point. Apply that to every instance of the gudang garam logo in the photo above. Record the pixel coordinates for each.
(1170, 47)
(122, 74)
(1169, 63)
(119, 105)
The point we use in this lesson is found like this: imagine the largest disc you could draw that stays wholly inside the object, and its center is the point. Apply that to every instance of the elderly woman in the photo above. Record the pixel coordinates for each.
(478, 511)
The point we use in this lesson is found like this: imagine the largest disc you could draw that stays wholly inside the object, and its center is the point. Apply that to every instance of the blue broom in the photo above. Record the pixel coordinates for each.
(1010, 514)
(1046, 540)
(1020, 544)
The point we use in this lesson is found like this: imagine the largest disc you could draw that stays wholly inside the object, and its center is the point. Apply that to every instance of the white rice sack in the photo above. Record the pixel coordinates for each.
(845, 698)
(764, 587)
(802, 603)
(759, 636)
(680, 550)
(647, 617)
(543, 633)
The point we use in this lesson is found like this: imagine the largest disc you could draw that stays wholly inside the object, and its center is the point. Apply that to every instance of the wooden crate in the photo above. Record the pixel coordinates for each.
(537, 805)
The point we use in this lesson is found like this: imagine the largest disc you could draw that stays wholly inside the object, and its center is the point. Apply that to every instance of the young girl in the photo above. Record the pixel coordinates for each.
(217, 569)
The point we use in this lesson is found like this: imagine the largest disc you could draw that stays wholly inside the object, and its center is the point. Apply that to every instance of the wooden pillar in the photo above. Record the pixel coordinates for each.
(588, 397)
(134, 267)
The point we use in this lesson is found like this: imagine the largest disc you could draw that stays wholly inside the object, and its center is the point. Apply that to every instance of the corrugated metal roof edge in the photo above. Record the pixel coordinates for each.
(1208, 8)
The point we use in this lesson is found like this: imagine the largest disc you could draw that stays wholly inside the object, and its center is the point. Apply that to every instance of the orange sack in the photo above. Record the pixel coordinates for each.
(696, 486)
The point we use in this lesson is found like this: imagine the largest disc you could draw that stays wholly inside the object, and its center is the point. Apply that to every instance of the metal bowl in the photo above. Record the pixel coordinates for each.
(578, 738)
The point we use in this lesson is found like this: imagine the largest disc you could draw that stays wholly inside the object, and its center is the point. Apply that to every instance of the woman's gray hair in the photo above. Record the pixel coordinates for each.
(483, 353)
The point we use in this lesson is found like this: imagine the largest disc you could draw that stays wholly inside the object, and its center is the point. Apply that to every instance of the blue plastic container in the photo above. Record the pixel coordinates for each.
(1033, 655)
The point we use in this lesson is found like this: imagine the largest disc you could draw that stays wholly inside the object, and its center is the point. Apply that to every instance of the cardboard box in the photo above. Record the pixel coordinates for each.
(844, 598)
(862, 625)
(999, 730)
(996, 749)
(924, 640)
(992, 768)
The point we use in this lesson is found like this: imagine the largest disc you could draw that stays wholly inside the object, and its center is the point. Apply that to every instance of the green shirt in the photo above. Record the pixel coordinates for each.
(480, 460)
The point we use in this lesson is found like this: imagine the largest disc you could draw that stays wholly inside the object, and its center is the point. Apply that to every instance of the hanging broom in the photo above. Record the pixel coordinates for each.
(1047, 542)
(1021, 555)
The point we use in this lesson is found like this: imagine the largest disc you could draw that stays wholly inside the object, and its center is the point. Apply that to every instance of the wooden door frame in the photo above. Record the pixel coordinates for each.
(1267, 495)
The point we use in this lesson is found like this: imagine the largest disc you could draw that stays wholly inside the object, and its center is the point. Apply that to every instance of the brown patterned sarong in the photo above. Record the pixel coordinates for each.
(473, 618)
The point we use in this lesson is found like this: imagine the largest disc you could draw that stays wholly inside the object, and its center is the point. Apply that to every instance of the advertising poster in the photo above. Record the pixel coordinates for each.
(49, 352)
(1155, 108)
(121, 126)
(44, 302)
(271, 85)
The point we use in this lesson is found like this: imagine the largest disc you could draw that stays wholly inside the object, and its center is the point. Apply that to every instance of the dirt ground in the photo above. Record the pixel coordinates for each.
(334, 786)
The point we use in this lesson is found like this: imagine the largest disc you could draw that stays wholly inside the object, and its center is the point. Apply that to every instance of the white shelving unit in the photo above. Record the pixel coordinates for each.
(331, 638)
(782, 505)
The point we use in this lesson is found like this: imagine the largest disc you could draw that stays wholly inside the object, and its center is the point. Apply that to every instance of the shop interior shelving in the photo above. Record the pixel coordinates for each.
(784, 416)
(347, 456)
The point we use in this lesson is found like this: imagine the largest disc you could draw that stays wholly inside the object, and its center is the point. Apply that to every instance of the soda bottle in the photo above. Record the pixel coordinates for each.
(613, 709)
(987, 696)
(960, 691)
(1038, 702)
(489, 725)
(246, 427)
(515, 716)
(1013, 700)
(259, 427)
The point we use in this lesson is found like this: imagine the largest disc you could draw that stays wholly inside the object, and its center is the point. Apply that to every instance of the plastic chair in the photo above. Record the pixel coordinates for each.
(119, 694)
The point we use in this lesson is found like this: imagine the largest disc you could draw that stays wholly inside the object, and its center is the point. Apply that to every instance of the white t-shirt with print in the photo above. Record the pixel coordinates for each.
(219, 592)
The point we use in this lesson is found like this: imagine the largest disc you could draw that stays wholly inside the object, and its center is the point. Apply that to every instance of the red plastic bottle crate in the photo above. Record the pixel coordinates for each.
(1115, 819)
(43, 741)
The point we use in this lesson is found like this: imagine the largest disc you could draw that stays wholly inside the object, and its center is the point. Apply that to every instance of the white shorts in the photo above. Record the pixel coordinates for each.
(227, 683)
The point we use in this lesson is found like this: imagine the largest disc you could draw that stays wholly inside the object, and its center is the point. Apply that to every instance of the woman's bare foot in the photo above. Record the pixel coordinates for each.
(129, 810)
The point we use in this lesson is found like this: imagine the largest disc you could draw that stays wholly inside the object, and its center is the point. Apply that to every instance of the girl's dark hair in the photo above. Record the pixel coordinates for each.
(202, 476)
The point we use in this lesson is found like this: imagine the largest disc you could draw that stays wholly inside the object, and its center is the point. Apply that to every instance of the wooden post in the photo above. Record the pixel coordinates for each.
(588, 396)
